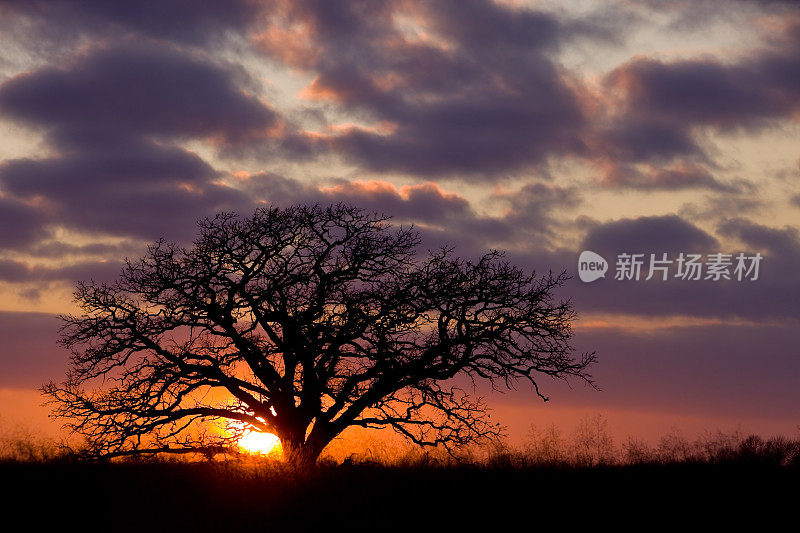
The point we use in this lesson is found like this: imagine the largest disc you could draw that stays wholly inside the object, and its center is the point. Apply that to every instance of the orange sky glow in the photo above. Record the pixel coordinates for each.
(537, 128)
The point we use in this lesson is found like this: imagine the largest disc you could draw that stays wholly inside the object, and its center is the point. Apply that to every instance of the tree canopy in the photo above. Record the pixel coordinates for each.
(304, 321)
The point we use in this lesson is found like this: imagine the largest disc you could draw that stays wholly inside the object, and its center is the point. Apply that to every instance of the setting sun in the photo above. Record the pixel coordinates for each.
(260, 443)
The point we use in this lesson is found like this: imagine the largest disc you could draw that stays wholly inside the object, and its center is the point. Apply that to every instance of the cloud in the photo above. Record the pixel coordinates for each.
(781, 243)
(471, 91)
(140, 190)
(135, 90)
(114, 117)
(55, 248)
(656, 178)
(183, 21)
(528, 217)
(771, 297)
(720, 207)
(668, 233)
(21, 224)
(654, 119)
(650, 131)
(14, 271)
(709, 92)
(634, 139)
(426, 202)
(693, 15)
(432, 72)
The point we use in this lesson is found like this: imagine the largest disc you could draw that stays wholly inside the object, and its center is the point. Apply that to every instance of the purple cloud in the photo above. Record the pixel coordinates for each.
(653, 123)
(452, 110)
(184, 21)
(668, 233)
(20, 224)
(113, 115)
(658, 178)
(131, 91)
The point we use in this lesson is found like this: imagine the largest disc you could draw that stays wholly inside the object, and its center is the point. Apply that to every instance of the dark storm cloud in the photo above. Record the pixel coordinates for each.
(478, 24)
(527, 220)
(534, 202)
(531, 219)
(466, 136)
(488, 100)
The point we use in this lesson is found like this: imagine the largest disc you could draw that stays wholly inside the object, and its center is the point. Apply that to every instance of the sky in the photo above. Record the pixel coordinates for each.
(540, 128)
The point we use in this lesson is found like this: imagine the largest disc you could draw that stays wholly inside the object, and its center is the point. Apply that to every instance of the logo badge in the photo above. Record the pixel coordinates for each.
(591, 266)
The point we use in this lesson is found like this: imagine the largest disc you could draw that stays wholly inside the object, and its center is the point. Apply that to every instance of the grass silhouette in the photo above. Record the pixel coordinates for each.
(719, 477)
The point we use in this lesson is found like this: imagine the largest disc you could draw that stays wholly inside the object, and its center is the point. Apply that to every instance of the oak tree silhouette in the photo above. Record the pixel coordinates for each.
(303, 321)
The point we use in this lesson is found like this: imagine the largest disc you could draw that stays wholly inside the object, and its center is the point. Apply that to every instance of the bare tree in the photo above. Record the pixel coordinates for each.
(593, 444)
(302, 322)
(546, 446)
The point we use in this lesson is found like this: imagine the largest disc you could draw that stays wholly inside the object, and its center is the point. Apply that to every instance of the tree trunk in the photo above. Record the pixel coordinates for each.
(301, 456)
(301, 448)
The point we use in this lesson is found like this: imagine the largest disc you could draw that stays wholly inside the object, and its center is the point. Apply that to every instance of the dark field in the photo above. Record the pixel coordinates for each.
(229, 496)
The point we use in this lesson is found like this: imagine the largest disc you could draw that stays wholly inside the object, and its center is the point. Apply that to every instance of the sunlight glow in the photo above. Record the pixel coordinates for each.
(260, 443)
